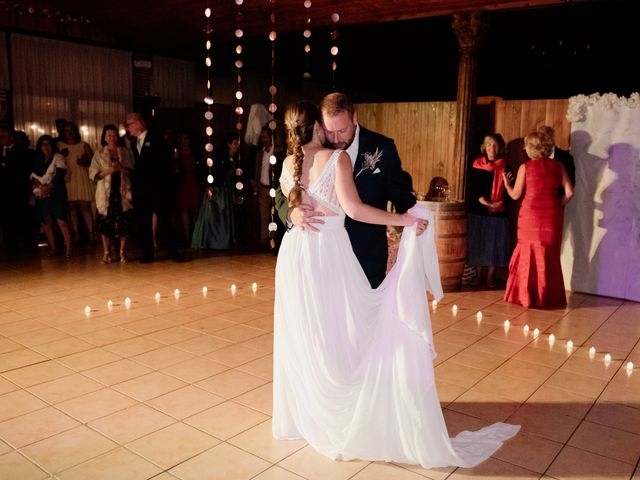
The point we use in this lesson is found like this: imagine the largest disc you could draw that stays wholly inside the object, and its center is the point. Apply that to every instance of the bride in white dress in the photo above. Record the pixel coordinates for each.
(353, 375)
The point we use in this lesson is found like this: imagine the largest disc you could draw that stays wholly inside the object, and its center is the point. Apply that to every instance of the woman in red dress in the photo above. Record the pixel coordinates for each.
(535, 274)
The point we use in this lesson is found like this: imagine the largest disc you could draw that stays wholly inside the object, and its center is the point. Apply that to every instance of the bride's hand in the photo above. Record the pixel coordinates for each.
(304, 216)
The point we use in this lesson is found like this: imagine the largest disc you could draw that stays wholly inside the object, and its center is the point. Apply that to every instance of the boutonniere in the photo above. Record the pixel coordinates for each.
(370, 161)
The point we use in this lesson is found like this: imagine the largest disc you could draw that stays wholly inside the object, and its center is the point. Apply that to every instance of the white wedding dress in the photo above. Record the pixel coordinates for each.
(353, 366)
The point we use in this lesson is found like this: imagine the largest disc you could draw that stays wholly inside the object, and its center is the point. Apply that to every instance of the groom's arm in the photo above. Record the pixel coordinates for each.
(282, 207)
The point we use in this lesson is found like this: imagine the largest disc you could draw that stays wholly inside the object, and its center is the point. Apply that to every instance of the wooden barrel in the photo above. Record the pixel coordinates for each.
(451, 241)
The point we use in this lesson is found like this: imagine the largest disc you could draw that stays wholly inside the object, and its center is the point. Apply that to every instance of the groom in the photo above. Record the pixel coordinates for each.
(378, 176)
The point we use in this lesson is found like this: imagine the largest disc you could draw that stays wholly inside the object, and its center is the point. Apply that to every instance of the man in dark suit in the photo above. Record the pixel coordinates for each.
(559, 154)
(154, 186)
(378, 176)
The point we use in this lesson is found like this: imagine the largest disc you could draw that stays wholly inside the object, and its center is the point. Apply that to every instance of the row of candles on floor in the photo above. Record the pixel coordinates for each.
(536, 333)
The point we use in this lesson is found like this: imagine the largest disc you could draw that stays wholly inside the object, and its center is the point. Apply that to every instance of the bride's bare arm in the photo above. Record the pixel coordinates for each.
(353, 206)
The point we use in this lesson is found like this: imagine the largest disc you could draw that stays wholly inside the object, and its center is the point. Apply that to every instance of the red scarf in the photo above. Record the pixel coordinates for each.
(497, 167)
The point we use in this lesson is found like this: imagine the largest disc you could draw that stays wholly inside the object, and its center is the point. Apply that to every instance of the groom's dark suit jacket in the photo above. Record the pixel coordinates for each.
(383, 182)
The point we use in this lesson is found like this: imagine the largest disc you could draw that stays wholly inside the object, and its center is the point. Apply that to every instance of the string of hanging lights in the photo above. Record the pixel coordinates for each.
(239, 33)
(335, 18)
(307, 42)
(273, 107)
(208, 100)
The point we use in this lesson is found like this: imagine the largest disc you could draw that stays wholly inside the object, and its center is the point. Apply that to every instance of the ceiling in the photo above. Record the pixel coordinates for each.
(175, 27)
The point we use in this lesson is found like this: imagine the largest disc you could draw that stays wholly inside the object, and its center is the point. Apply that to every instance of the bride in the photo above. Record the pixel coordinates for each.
(353, 372)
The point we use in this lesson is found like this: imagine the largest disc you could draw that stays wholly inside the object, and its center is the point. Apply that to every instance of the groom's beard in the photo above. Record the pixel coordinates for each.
(341, 145)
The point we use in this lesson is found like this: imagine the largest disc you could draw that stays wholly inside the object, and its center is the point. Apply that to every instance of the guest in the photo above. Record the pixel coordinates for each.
(563, 156)
(111, 168)
(80, 188)
(16, 212)
(50, 191)
(535, 274)
(215, 226)
(379, 179)
(190, 180)
(488, 228)
(154, 188)
(265, 178)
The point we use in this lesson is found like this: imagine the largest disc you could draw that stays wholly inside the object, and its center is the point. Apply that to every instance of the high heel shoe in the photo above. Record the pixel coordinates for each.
(123, 257)
(106, 258)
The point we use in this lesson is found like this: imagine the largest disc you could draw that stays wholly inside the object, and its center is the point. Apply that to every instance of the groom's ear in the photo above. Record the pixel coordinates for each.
(355, 117)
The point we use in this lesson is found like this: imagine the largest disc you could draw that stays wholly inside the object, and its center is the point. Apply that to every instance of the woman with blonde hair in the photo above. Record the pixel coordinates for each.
(535, 274)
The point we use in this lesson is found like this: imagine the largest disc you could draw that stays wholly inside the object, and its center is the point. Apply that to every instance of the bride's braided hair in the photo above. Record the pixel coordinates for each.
(299, 119)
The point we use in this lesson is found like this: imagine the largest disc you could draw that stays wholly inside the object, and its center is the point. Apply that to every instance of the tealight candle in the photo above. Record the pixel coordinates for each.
(552, 338)
(629, 366)
(109, 304)
(233, 289)
(127, 302)
(157, 297)
(205, 290)
(87, 310)
(454, 309)
(434, 304)
(592, 352)
(507, 324)
(607, 358)
(254, 287)
(176, 292)
(569, 345)
(536, 332)
(526, 329)
(479, 316)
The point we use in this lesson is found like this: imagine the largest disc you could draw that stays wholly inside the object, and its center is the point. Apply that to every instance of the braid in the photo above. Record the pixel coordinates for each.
(300, 120)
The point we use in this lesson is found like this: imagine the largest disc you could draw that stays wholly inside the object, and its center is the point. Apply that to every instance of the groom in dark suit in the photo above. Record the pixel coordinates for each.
(378, 176)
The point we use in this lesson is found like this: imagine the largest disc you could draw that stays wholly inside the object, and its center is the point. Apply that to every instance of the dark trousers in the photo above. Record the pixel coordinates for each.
(166, 230)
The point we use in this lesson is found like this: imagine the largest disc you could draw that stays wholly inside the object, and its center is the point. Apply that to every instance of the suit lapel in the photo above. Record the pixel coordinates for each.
(363, 146)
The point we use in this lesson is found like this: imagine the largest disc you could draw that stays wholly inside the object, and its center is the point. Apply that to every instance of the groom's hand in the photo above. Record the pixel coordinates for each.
(304, 216)
(421, 226)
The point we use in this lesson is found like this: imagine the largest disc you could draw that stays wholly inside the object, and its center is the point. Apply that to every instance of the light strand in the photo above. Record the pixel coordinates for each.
(306, 33)
(273, 107)
(208, 100)
(239, 64)
(335, 18)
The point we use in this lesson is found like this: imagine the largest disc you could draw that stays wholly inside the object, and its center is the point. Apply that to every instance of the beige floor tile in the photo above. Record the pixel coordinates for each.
(194, 370)
(484, 405)
(386, 471)
(238, 333)
(96, 404)
(231, 383)
(25, 325)
(39, 373)
(259, 441)
(61, 348)
(606, 441)
(277, 473)
(230, 463)
(162, 357)
(116, 464)
(260, 399)
(210, 325)
(235, 355)
(262, 367)
(67, 449)
(529, 451)
(6, 386)
(18, 403)
(226, 420)
(458, 422)
(106, 336)
(117, 372)
(459, 374)
(448, 392)
(309, 464)
(173, 335)
(263, 323)
(131, 423)
(481, 360)
(149, 386)
(44, 335)
(561, 401)
(242, 315)
(14, 466)
(516, 389)
(202, 344)
(540, 356)
(4, 448)
(573, 463)
(615, 415)
(494, 469)
(576, 383)
(19, 358)
(172, 445)
(262, 343)
(185, 402)
(65, 388)
(525, 370)
(89, 359)
(133, 346)
(544, 421)
(7, 345)
(35, 426)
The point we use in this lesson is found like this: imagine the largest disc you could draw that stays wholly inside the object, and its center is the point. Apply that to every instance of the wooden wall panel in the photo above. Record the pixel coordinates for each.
(423, 133)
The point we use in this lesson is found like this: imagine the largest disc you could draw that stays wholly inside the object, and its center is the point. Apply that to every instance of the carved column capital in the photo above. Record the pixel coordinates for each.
(469, 28)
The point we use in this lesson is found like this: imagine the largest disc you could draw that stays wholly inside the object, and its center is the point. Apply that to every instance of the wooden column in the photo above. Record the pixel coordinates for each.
(469, 27)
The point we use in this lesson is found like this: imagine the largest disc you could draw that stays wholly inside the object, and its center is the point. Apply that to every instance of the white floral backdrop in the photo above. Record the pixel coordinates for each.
(601, 243)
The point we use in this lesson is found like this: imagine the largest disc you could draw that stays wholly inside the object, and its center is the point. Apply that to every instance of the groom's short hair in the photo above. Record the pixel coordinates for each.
(336, 103)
